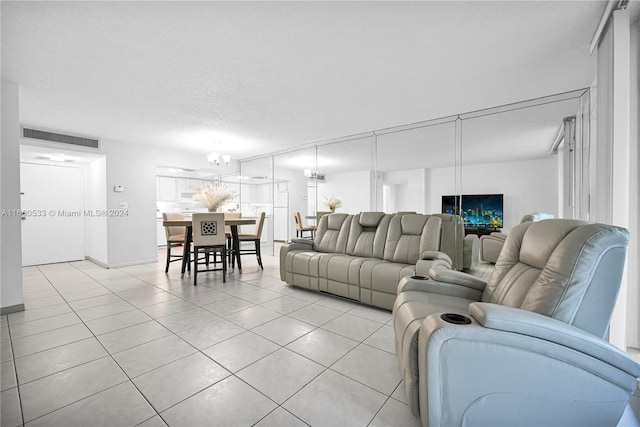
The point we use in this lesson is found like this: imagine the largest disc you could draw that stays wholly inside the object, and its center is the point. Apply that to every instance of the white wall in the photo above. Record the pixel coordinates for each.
(11, 298)
(95, 198)
(528, 186)
(409, 190)
(130, 239)
(353, 188)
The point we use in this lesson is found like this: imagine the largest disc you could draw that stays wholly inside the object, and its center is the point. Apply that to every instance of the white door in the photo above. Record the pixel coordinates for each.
(53, 216)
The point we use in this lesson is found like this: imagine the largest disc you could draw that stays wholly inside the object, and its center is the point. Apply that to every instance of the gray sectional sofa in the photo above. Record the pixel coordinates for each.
(364, 256)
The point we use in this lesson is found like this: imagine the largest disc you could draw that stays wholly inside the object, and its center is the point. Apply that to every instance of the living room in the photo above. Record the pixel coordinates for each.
(349, 106)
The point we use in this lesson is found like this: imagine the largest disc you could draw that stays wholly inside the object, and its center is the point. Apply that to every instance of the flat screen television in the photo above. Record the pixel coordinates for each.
(477, 210)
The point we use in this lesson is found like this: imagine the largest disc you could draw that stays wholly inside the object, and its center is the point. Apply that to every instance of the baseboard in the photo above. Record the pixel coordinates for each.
(95, 261)
(12, 309)
(128, 264)
(124, 264)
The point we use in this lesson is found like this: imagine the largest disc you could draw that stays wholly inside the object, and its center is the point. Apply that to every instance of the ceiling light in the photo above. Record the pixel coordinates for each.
(313, 174)
(58, 157)
(214, 159)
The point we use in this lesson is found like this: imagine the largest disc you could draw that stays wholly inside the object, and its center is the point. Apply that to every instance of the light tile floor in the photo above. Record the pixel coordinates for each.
(132, 346)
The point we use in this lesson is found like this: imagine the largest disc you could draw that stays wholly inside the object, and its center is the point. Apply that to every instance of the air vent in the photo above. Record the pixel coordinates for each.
(58, 137)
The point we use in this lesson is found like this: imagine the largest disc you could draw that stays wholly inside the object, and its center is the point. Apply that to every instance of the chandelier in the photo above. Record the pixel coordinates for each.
(214, 159)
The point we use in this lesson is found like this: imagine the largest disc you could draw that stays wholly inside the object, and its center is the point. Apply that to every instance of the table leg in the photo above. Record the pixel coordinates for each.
(235, 250)
(186, 253)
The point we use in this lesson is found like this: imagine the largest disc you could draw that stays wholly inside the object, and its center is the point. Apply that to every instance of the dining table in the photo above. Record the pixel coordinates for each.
(188, 237)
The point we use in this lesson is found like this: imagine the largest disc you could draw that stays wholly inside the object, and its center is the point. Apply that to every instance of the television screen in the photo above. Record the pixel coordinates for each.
(451, 205)
(477, 210)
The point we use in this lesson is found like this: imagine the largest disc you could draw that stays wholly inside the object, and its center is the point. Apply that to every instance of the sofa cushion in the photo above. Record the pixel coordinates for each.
(367, 234)
(369, 219)
(410, 235)
(332, 233)
(379, 281)
(339, 275)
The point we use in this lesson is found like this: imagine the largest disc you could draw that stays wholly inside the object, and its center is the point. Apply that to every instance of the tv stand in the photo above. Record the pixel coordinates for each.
(480, 231)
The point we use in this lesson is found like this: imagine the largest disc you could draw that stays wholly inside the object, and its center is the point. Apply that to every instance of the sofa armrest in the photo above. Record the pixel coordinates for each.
(295, 244)
(509, 319)
(514, 368)
(422, 284)
(499, 235)
(457, 278)
(432, 255)
(307, 242)
(432, 259)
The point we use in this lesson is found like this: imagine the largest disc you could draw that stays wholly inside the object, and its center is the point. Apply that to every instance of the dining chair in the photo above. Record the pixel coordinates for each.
(175, 237)
(208, 237)
(300, 229)
(255, 238)
(227, 231)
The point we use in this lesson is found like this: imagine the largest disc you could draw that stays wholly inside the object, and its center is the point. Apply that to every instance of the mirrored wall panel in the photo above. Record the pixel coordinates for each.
(294, 194)
(346, 176)
(256, 196)
(525, 159)
(416, 167)
(490, 168)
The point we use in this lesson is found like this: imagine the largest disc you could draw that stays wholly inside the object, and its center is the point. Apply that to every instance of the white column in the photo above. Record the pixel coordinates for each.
(621, 155)
(613, 154)
(10, 236)
(633, 290)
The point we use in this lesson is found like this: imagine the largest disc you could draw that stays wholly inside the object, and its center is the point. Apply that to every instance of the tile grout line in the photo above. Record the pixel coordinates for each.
(197, 351)
(108, 355)
(15, 372)
(280, 346)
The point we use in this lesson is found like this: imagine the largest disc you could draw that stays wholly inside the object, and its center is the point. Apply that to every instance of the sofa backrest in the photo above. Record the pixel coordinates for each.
(368, 234)
(452, 238)
(409, 235)
(536, 216)
(566, 269)
(332, 233)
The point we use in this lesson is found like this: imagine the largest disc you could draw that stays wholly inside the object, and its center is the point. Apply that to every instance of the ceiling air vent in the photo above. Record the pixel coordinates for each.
(58, 137)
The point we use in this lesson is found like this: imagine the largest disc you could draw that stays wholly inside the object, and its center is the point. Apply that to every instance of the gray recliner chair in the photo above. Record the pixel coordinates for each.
(526, 347)
(491, 244)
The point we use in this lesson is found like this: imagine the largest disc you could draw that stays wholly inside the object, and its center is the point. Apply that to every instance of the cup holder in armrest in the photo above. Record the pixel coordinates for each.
(419, 277)
(456, 319)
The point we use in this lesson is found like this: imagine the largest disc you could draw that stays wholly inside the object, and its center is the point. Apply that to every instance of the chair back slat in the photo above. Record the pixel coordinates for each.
(231, 215)
(208, 229)
(170, 231)
(260, 224)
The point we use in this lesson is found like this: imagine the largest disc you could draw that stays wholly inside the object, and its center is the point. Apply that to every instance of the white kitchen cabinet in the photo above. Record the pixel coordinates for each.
(167, 191)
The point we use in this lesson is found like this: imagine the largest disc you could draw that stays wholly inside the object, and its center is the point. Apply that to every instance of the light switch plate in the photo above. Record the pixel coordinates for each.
(118, 188)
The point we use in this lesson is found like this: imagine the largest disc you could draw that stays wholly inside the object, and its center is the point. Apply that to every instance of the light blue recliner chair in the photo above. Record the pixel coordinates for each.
(527, 347)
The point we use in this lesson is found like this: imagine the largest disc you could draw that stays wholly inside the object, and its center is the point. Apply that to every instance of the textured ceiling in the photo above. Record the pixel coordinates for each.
(262, 76)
